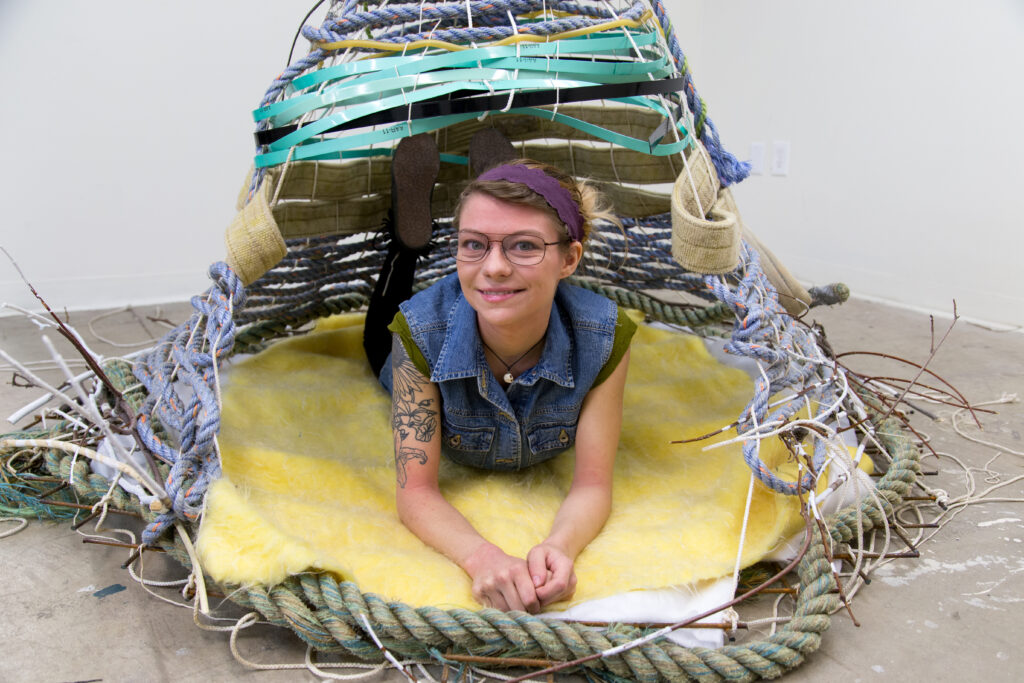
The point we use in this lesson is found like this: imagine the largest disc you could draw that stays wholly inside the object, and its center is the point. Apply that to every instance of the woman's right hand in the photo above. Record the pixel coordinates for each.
(500, 580)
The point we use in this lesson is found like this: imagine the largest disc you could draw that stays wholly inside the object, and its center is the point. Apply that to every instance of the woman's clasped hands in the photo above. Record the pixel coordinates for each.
(505, 582)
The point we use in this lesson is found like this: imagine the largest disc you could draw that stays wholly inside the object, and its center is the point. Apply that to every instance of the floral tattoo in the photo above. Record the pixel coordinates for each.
(410, 416)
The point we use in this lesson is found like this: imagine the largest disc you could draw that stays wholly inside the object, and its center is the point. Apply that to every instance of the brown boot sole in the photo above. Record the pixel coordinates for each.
(489, 148)
(414, 168)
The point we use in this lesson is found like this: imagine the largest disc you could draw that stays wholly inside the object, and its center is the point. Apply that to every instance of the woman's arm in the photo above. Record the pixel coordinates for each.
(587, 505)
(499, 580)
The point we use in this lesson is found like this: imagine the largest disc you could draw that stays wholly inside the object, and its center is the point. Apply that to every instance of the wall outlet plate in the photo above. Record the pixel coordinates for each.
(780, 157)
(757, 154)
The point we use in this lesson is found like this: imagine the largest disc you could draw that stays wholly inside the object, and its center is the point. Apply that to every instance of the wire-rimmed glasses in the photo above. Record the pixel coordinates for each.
(520, 248)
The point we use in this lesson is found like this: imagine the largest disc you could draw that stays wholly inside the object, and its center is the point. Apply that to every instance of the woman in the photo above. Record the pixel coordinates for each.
(502, 365)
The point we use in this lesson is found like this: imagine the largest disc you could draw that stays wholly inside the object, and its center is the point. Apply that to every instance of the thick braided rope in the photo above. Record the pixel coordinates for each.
(189, 354)
(342, 27)
(730, 169)
(325, 613)
(449, 22)
(788, 356)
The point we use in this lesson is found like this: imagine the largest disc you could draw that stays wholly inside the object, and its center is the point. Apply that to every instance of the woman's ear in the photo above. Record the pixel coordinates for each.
(571, 258)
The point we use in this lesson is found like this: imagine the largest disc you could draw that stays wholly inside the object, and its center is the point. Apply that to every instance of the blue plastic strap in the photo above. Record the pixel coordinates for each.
(373, 86)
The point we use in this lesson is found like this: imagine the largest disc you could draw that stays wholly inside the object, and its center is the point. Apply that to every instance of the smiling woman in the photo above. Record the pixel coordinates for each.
(501, 365)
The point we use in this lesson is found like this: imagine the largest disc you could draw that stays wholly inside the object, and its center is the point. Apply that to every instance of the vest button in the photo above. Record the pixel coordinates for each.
(563, 437)
(454, 440)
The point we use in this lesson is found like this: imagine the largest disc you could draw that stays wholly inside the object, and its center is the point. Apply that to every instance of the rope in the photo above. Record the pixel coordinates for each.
(173, 390)
(188, 354)
(346, 30)
(328, 615)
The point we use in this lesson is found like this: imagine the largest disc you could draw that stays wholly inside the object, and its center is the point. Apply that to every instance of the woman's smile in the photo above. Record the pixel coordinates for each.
(498, 295)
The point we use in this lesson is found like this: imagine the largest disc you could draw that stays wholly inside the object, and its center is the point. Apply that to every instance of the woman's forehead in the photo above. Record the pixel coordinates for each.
(495, 218)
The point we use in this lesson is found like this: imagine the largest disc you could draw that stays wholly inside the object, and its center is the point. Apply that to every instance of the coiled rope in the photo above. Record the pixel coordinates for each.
(327, 614)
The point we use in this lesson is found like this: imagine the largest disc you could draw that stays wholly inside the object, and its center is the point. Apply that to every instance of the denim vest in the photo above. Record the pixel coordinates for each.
(484, 425)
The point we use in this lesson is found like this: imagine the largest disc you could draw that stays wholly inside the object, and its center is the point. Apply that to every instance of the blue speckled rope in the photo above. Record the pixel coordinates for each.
(765, 332)
(188, 355)
(344, 20)
(180, 380)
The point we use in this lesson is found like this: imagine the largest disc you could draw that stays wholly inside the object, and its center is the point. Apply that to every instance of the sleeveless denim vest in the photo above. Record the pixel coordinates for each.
(535, 419)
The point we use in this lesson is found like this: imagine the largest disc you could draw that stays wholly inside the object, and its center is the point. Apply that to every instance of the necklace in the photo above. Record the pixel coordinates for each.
(508, 377)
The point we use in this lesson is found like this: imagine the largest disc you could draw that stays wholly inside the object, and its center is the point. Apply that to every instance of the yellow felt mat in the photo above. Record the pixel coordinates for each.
(309, 479)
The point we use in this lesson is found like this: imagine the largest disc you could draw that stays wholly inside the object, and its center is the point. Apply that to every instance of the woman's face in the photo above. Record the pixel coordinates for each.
(506, 296)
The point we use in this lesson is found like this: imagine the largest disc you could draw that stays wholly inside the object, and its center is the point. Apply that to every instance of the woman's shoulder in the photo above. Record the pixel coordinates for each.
(586, 309)
(433, 302)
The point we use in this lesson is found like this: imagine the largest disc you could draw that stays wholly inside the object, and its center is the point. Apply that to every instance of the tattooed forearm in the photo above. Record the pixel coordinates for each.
(403, 455)
(413, 412)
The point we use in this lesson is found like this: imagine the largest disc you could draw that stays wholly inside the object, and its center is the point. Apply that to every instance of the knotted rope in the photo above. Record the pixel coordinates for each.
(479, 23)
(190, 355)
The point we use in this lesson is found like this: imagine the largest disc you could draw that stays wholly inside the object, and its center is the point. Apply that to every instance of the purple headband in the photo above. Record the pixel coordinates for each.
(557, 197)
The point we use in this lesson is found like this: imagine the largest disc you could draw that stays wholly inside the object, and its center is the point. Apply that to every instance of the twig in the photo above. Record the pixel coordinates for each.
(140, 476)
(924, 368)
(67, 333)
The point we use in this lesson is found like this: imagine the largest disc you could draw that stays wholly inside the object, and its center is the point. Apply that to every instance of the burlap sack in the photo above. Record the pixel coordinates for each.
(254, 243)
(710, 242)
(705, 233)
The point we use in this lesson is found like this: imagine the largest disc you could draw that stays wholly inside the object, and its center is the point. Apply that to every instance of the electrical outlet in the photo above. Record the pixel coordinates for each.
(757, 150)
(780, 157)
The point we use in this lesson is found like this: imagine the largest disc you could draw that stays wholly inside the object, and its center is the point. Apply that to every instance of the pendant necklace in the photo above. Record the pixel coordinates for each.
(508, 377)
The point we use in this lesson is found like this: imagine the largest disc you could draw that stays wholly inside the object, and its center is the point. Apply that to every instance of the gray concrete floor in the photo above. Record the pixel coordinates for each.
(953, 614)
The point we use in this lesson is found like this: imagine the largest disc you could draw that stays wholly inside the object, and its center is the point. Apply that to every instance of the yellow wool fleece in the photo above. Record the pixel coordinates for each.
(309, 479)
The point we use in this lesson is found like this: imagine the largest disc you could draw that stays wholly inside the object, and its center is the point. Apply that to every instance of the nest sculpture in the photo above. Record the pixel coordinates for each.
(600, 89)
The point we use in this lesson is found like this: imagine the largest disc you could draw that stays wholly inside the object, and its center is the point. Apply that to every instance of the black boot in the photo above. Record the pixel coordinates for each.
(414, 168)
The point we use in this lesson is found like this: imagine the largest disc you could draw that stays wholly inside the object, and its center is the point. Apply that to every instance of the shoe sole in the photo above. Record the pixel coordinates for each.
(489, 148)
(414, 168)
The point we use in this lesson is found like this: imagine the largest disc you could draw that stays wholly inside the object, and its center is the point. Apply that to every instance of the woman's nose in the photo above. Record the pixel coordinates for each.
(495, 262)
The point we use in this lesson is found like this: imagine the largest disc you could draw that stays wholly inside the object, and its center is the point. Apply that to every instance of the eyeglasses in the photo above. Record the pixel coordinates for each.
(522, 249)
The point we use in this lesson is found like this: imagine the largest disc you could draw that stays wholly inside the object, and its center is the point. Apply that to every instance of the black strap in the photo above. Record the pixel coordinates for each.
(455, 104)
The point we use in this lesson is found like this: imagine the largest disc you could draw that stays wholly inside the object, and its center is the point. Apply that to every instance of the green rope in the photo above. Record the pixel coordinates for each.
(655, 309)
(326, 614)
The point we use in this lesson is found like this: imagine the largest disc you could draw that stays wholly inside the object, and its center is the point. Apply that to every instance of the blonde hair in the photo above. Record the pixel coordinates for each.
(592, 204)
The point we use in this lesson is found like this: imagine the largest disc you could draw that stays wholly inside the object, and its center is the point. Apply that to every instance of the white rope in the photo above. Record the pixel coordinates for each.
(20, 521)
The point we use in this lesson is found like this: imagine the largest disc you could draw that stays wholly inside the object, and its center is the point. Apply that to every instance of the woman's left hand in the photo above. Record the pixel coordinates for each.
(552, 572)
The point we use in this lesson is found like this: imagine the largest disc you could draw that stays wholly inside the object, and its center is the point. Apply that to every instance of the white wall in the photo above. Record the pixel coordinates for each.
(126, 133)
(904, 119)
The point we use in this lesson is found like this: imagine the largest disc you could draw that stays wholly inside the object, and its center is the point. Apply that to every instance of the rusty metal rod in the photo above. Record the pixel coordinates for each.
(78, 506)
(903, 537)
(116, 544)
(499, 661)
(88, 518)
(136, 554)
(28, 478)
(662, 624)
(907, 554)
(46, 494)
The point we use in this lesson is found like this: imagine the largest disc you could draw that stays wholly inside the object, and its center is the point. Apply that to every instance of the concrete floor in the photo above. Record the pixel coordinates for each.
(953, 614)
